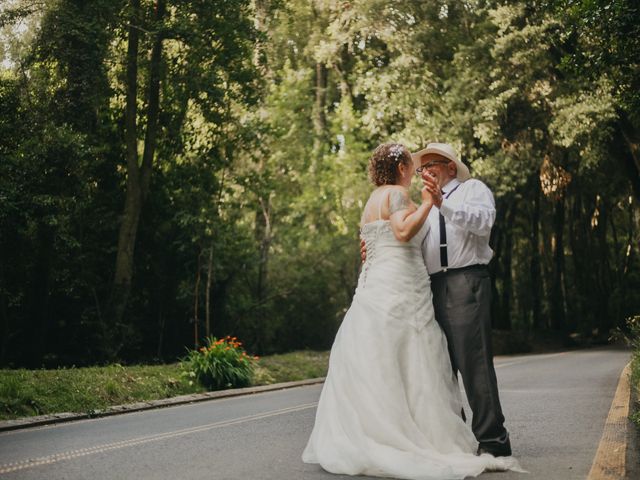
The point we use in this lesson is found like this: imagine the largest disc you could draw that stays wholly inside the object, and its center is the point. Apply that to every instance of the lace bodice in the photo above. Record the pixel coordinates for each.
(380, 230)
(384, 247)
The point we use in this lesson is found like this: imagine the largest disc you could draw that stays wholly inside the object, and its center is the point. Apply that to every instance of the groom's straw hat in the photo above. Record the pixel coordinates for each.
(444, 150)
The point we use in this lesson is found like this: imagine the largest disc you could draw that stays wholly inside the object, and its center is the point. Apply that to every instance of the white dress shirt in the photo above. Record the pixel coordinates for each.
(469, 214)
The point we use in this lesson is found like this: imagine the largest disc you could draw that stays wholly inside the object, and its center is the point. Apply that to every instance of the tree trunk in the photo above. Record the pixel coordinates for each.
(320, 118)
(261, 23)
(569, 282)
(604, 280)
(263, 235)
(4, 328)
(153, 108)
(547, 244)
(631, 155)
(263, 220)
(138, 177)
(41, 281)
(124, 260)
(504, 321)
(341, 69)
(536, 285)
(208, 291)
(161, 323)
(579, 251)
(557, 295)
(133, 197)
(196, 301)
(626, 263)
(496, 242)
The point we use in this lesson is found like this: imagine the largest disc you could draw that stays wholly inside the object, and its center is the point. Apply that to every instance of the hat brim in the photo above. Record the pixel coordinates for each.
(463, 172)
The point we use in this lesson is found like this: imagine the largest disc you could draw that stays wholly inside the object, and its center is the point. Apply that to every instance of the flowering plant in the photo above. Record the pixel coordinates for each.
(223, 363)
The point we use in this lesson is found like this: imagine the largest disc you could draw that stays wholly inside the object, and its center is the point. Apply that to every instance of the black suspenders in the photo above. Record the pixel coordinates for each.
(444, 260)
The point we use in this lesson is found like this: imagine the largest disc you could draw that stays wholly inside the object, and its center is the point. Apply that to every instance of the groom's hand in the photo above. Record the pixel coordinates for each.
(363, 250)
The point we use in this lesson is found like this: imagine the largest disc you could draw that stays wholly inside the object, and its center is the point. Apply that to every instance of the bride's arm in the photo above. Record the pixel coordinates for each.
(406, 220)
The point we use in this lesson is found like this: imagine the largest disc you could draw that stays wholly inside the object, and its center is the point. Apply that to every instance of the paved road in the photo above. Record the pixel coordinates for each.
(555, 405)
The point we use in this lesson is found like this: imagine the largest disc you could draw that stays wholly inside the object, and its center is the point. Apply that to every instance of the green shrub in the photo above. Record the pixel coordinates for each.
(632, 335)
(221, 364)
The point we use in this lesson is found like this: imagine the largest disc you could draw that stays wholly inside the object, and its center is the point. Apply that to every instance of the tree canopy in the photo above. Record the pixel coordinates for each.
(171, 169)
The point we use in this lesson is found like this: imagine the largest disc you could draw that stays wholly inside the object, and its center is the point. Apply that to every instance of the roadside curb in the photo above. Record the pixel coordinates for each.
(55, 418)
(610, 460)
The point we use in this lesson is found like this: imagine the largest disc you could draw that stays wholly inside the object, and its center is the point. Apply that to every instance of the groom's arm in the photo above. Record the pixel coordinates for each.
(476, 213)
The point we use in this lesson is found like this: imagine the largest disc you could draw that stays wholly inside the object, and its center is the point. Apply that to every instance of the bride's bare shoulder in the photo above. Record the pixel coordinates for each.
(384, 190)
(390, 190)
(399, 200)
(398, 188)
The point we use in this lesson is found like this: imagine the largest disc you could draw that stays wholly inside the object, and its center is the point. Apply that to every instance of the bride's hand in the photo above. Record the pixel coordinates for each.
(427, 197)
(431, 192)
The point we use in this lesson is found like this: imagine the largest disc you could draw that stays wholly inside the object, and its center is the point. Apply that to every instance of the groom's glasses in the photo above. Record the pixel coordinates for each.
(430, 164)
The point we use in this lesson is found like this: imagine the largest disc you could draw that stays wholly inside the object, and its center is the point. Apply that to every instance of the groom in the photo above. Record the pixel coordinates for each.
(456, 252)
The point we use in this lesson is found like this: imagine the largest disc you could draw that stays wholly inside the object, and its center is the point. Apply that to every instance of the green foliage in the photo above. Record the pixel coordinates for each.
(608, 45)
(221, 364)
(268, 114)
(631, 333)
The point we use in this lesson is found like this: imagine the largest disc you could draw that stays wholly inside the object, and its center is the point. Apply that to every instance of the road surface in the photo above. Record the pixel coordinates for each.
(555, 406)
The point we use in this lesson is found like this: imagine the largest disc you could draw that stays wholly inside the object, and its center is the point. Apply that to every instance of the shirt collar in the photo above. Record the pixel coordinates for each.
(453, 183)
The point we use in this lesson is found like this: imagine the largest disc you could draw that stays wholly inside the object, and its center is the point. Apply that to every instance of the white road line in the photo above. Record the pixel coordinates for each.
(49, 459)
(528, 358)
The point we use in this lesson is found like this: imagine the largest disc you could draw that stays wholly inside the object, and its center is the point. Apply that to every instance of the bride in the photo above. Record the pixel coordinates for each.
(390, 405)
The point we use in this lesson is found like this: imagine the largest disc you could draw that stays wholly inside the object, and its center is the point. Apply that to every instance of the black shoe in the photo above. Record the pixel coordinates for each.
(496, 450)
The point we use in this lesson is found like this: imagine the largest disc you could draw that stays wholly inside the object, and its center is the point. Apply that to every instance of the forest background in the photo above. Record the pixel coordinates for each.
(173, 169)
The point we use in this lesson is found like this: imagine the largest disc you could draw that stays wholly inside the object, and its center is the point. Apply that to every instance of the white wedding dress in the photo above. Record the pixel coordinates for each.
(390, 405)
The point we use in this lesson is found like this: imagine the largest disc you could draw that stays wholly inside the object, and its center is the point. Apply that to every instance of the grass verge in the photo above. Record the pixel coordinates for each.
(38, 392)
(635, 388)
(632, 337)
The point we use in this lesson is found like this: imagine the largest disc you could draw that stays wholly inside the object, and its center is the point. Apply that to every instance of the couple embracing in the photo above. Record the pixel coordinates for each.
(391, 405)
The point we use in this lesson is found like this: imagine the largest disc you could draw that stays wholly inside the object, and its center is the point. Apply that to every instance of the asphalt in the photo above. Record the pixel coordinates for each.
(555, 405)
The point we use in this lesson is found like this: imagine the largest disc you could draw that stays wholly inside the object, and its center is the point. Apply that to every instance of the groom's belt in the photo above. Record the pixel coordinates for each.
(447, 271)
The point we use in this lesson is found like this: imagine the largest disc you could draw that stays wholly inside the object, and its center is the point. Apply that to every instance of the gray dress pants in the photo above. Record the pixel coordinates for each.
(462, 303)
